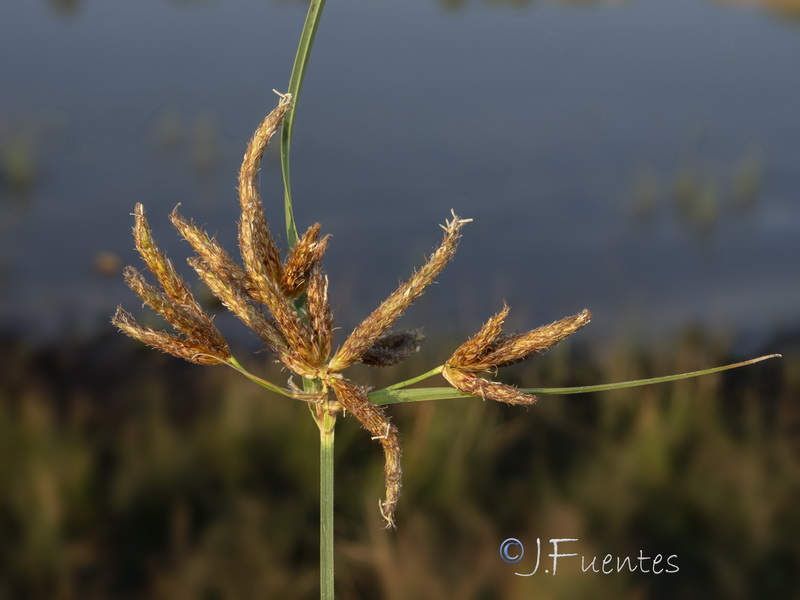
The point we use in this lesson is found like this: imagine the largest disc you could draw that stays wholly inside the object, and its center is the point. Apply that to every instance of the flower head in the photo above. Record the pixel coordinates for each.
(489, 350)
(285, 302)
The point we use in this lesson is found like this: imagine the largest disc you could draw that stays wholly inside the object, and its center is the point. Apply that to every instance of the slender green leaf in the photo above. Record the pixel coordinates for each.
(295, 85)
(396, 396)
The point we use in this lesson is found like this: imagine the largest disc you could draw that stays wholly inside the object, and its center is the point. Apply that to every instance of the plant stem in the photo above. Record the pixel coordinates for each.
(407, 382)
(295, 85)
(326, 421)
(326, 431)
(234, 364)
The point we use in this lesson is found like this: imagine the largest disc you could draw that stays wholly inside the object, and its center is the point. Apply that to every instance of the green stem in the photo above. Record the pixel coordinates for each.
(234, 364)
(407, 382)
(325, 420)
(295, 85)
(326, 431)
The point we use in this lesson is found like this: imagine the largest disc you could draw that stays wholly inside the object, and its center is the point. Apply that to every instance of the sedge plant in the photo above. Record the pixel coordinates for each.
(284, 300)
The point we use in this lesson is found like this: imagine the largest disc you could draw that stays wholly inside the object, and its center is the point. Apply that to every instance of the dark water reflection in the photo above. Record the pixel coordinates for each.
(638, 158)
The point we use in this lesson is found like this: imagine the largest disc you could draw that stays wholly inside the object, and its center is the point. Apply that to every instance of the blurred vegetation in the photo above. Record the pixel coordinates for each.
(785, 9)
(703, 195)
(788, 10)
(23, 141)
(128, 474)
(64, 7)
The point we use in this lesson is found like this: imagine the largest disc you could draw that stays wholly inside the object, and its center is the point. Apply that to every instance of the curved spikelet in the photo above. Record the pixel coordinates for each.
(382, 318)
(373, 418)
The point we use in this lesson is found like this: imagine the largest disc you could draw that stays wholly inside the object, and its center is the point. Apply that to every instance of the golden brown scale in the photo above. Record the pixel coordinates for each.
(301, 260)
(319, 312)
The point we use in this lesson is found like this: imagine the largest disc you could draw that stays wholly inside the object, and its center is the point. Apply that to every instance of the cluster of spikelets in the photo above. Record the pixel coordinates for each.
(285, 302)
(489, 349)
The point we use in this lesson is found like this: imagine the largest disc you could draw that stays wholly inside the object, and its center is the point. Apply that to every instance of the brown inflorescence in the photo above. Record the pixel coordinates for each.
(489, 350)
(198, 341)
(286, 304)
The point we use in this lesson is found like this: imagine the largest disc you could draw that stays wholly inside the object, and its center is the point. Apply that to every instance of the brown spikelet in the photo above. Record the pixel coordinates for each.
(382, 318)
(354, 399)
(192, 323)
(307, 251)
(515, 348)
(471, 384)
(259, 253)
(488, 350)
(177, 346)
(473, 349)
(319, 312)
(209, 250)
(231, 296)
(296, 332)
(176, 304)
(158, 263)
(393, 347)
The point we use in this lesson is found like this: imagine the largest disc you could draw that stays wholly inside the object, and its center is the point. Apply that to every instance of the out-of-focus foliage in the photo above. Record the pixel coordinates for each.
(64, 7)
(786, 9)
(789, 9)
(127, 474)
(460, 4)
(702, 199)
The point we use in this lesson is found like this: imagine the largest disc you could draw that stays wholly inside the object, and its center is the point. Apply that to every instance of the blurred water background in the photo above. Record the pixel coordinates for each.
(636, 158)
(640, 158)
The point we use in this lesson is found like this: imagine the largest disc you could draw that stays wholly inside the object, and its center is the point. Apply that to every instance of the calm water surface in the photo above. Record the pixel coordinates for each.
(638, 158)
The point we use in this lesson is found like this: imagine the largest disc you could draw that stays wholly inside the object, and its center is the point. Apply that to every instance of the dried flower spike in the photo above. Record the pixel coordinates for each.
(199, 340)
(232, 297)
(487, 350)
(516, 348)
(382, 318)
(320, 316)
(473, 349)
(182, 348)
(260, 255)
(471, 384)
(207, 248)
(307, 252)
(373, 418)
